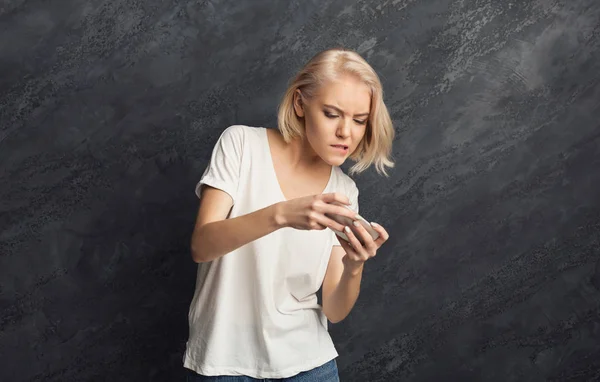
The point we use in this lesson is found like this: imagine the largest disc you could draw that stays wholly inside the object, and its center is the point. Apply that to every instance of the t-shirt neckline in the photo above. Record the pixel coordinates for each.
(267, 147)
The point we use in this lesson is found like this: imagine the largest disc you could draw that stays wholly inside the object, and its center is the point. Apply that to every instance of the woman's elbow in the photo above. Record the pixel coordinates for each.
(334, 319)
(196, 252)
(196, 259)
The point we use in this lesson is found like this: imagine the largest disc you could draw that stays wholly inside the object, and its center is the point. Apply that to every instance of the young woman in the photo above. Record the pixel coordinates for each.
(261, 234)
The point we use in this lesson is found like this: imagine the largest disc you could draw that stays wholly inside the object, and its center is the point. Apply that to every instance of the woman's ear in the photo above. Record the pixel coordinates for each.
(298, 104)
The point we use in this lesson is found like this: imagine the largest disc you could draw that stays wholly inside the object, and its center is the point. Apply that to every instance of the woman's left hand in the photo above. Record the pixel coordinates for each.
(356, 253)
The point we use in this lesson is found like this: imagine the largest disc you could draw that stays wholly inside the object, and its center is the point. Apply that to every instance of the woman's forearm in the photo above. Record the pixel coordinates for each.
(341, 301)
(213, 240)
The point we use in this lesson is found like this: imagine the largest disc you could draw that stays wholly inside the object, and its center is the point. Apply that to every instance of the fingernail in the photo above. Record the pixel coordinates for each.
(374, 224)
(356, 223)
(347, 229)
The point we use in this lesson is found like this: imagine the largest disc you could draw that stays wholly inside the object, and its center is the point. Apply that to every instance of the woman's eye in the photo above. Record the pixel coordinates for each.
(329, 115)
(361, 122)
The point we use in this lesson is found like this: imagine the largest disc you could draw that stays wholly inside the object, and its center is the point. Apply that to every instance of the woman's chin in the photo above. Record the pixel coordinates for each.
(336, 161)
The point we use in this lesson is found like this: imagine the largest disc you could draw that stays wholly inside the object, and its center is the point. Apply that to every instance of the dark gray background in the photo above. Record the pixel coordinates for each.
(109, 112)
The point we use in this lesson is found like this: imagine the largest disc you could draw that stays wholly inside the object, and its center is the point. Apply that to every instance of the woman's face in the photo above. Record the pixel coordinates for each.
(336, 115)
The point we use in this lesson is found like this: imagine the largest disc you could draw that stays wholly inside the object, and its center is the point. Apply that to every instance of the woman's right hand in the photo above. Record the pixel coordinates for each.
(308, 213)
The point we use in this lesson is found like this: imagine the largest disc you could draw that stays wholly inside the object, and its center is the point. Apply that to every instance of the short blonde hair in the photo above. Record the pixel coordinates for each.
(376, 145)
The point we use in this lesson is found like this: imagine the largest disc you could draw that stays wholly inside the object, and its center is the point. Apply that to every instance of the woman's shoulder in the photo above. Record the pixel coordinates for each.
(238, 135)
(242, 129)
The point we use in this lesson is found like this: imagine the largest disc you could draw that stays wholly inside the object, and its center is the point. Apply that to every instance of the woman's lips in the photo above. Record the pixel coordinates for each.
(340, 148)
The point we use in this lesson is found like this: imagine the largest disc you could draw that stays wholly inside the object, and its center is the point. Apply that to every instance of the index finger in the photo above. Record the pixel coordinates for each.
(335, 211)
(336, 197)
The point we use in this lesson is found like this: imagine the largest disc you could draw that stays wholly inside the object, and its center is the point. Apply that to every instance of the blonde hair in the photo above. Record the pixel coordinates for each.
(376, 145)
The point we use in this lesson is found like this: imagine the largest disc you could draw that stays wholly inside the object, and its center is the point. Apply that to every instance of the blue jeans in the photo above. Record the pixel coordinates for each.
(325, 373)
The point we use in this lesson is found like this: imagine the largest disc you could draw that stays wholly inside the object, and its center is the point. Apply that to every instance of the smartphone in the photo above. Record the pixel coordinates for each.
(344, 220)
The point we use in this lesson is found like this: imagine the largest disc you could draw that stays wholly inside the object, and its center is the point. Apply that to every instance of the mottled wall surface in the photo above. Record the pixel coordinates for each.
(108, 114)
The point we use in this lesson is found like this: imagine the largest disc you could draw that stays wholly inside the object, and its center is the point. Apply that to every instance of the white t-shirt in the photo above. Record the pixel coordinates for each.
(255, 310)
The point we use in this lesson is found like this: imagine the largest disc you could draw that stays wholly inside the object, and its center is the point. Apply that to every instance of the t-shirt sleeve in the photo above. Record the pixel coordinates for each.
(353, 196)
(223, 169)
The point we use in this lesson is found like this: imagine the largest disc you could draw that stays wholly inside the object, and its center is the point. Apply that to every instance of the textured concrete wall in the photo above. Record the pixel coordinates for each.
(109, 111)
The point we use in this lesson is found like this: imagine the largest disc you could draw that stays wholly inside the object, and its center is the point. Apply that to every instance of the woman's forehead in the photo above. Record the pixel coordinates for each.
(353, 95)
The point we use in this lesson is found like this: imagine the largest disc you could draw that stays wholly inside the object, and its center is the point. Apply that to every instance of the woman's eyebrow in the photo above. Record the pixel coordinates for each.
(342, 112)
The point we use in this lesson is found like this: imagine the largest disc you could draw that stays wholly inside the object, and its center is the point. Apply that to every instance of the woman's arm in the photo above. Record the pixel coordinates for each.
(341, 286)
(214, 235)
